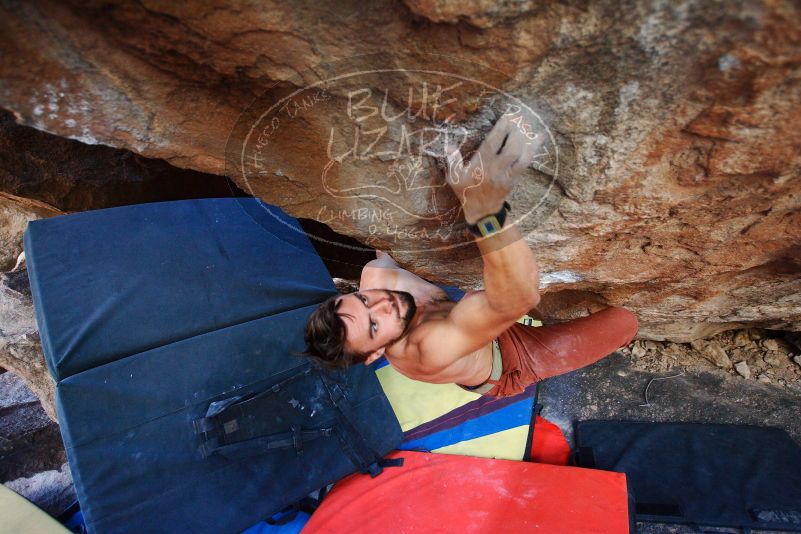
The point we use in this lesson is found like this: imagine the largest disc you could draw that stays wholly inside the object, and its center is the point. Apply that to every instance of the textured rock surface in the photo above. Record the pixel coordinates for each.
(30, 442)
(15, 213)
(676, 121)
(50, 490)
(769, 356)
(20, 348)
(73, 176)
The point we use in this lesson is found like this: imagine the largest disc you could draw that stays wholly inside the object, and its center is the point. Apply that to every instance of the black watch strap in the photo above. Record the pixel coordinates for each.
(489, 224)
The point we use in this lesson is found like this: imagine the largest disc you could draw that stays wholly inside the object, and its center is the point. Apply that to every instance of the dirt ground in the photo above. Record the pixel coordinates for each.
(767, 356)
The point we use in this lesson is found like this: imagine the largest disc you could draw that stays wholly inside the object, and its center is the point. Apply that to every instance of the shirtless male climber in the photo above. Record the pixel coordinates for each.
(477, 342)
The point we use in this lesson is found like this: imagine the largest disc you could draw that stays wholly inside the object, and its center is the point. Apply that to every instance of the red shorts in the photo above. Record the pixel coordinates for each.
(530, 354)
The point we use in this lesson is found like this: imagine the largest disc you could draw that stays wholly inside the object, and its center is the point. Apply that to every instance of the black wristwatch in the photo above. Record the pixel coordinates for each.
(489, 224)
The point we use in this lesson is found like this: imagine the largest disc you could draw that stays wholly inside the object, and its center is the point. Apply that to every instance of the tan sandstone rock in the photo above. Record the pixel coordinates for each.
(15, 213)
(674, 126)
(713, 352)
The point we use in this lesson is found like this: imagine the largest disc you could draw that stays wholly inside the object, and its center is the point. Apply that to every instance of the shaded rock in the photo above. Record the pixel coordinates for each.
(755, 334)
(742, 369)
(30, 441)
(20, 347)
(794, 339)
(650, 345)
(784, 347)
(52, 490)
(741, 338)
(738, 353)
(67, 175)
(15, 213)
(481, 13)
(770, 344)
(717, 355)
(13, 391)
(346, 286)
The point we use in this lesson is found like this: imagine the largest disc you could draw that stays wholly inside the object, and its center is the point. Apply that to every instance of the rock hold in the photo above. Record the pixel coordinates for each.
(20, 348)
(742, 369)
(742, 339)
(713, 352)
(770, 344)
(15, 213)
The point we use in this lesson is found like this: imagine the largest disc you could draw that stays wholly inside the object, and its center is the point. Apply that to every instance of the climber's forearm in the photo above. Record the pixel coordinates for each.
(511, 273)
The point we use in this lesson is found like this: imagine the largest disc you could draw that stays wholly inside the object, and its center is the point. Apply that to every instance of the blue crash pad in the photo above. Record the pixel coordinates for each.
(149, 313)
(122, 281)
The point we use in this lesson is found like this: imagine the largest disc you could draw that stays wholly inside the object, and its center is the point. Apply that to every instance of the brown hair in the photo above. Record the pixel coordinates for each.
(325, 337)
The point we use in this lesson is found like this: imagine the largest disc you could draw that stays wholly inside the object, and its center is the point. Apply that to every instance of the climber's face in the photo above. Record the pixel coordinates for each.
(375, 319)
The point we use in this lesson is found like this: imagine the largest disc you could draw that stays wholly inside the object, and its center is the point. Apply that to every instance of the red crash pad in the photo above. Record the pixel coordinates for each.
(448, 493)
(548, 443)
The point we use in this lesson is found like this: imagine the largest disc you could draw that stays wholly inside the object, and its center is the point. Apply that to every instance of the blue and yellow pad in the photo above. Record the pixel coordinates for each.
(447, 419)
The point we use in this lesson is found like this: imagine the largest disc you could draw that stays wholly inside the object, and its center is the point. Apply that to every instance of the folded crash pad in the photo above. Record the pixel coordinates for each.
(157, 318)
(448, 493)
(115, 282)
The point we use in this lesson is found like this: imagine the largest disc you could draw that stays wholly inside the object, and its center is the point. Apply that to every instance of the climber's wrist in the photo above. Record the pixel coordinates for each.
(476, 211)
(490, 223)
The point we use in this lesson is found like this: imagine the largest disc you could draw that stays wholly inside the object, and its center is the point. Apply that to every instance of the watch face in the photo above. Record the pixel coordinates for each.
(488, 225)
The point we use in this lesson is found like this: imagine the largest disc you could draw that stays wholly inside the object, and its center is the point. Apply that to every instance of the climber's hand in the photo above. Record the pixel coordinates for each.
(483, 183)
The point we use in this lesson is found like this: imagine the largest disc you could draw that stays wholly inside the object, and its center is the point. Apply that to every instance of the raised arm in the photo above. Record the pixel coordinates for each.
(383, 268)
(511, 273)
(482, 186)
